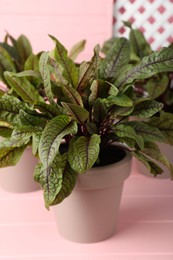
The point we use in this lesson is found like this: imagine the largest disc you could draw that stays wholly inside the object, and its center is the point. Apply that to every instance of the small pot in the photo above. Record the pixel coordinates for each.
(90, 213)
(19, 178)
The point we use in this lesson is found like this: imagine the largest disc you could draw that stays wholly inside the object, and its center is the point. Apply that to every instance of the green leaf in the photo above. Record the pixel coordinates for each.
(23, 88)
(35, 142)
(153, 151)
(24, 48)
(83, 153)
(113, 90)
(139, 45)
(146, 108)
(120, 100)
(76, 49)
(159, 61)
(45, 74)
(117, 57)
(31, 118)
(9, 109)
(122, 131)
(149, 133)
(91, 128)
(6, 61)
(57, 180)
(56, 73)
(99, 89)
(70, 70)
(120, 111)
(156, 86)
(108, 44)
(152, 166)
(99, 110)
(47, 109)
(10, 156)
(78, 113)
(5, 129)
(52, 136)
(88, 70)
(72, 95)
(165, 125)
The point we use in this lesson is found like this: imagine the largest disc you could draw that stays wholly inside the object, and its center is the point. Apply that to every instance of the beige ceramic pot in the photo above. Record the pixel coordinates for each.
(166, 150)
(19, 178)
(90, 213)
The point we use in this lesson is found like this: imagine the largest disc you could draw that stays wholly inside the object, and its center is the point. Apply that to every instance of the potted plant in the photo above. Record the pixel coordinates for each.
(158, 87)
(82, 135)
(16, 55)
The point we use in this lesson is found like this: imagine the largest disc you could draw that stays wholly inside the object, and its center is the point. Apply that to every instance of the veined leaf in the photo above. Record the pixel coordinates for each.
(56, 73)
(88, 70)
(117, 57)
(139, 44)
(78, 113)
(48, 109)
(24, 48)
(52, 136)
(73, 95)
(122, 130)
(9, 109)
(35, 142)
(44, 71)
(159, 61)
(23, 88)
(57, 180)
(156, 86)
(31, 118)
(165, 125)
(147, 108)
(99, 89)
(6, 61)
(99, 110)
(149, 133)
(76, 49)
(108, 44)
(32, 63)
(152, 166)
(116, 111)
(83, 153)
(153, 151)
(25, 132)
(70, 70)
(120, 100)
(9, 156)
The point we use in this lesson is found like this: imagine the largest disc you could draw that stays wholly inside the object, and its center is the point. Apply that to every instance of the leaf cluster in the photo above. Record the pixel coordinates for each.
(85, 108)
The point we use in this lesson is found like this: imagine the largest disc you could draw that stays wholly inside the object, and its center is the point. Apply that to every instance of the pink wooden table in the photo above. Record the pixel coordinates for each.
(145, 231)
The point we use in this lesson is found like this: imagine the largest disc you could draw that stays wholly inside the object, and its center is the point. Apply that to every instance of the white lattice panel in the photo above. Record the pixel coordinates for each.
(153, 17)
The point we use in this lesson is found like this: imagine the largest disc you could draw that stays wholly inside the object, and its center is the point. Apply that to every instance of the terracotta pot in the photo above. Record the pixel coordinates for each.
(19, 178)
(166, 150)
(90, 213)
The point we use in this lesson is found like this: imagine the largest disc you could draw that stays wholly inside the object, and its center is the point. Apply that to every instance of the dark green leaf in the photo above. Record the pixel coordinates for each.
(78, 113)
(147, 108)
(159, 61)
(83, 153)
(117, 57)
(52, 136)
(76, 49)
(70, 70)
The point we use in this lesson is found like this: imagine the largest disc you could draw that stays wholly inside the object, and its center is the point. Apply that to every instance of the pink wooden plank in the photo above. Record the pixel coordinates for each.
(139, 238)
(54, 6)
